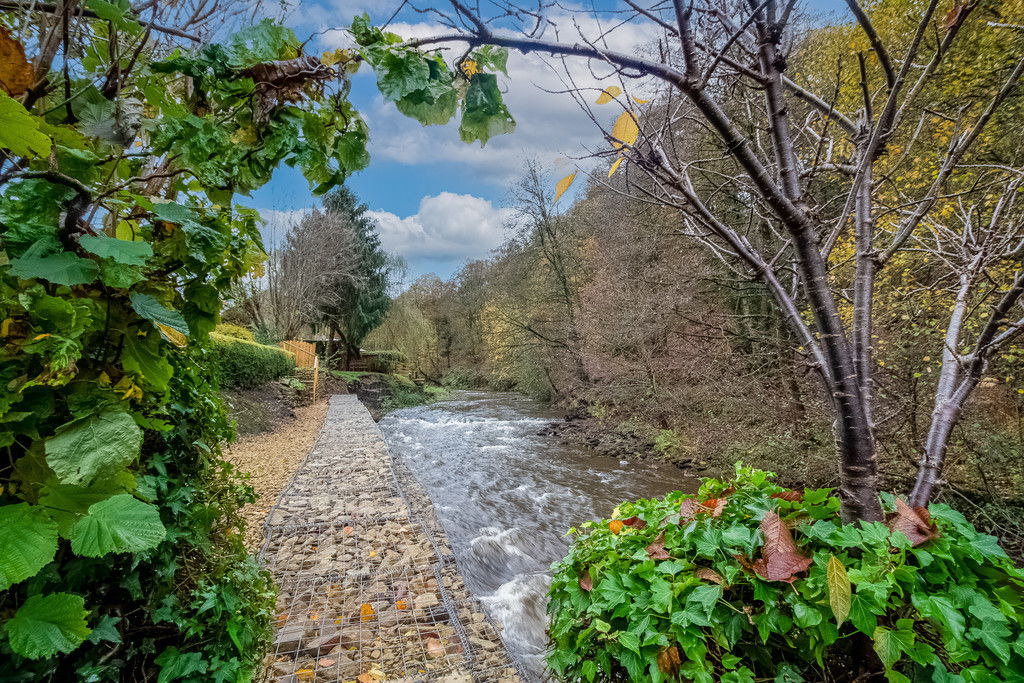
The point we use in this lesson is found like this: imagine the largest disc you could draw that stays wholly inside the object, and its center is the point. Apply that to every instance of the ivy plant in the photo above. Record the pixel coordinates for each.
(747, 581)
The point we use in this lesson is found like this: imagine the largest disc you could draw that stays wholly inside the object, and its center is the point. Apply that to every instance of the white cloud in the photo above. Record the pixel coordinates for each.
(447, 228)
(276, 224)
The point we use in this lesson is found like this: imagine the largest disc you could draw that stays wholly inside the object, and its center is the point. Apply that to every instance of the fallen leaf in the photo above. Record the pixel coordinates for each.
(668, 661)
(780, 560)
(348, 530)
(326, 662)
(609, 94)
(687, 508)
(563, 185)
(366, 612)
(791, 496)
(656, 550)
(635, 523)
(15, 71)
(616, 525)
(400, 604)
(839, 598)
(587, 583)
(373, 553)
(909, 521)
(435, 648)
(714, 506)
(708, 575)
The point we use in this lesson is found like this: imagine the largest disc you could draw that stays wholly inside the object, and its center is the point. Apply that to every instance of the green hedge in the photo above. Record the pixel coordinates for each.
(242, 364)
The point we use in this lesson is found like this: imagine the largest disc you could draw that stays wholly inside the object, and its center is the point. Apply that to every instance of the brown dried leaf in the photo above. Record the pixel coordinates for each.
(791, 496)
(434, 647)
(668, 662)
(687, 508)
(656, 550)
(587, 583)
(708, 575)
(910, 521)
(780, 559)
(635, 523)
(713, 506)
(953, 17)
(15, 71)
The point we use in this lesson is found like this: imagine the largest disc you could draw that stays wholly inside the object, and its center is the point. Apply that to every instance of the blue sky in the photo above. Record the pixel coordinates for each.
(439, 202)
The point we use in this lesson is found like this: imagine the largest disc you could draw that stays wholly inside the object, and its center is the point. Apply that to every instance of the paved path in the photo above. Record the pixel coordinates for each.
(369, 590)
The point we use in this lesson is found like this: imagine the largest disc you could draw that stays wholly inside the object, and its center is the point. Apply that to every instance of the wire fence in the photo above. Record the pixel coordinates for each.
(369, 590)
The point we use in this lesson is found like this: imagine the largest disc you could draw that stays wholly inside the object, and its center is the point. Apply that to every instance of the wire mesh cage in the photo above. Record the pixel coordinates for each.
(368, 588)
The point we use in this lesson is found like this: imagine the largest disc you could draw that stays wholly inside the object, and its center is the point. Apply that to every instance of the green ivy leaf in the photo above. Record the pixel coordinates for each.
(47, 625)
(120, 524)
(175, 664)
(19, 130)
(891, 644)
(484, 114)
(151, 309)
(84, 448)
(121, 251)
(28, 537)
(630, 641)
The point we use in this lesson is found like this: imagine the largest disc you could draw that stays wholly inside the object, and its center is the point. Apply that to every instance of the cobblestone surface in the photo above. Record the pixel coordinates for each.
(369, 589)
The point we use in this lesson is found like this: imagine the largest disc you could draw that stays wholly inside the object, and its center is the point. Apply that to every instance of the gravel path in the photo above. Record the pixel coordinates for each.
(369, 590)
(271, 459)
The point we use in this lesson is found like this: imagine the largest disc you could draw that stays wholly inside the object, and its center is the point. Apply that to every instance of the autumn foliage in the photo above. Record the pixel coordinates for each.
(679, 588)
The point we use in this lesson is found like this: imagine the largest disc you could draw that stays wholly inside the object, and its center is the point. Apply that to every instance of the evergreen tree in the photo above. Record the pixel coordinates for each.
(364, 300)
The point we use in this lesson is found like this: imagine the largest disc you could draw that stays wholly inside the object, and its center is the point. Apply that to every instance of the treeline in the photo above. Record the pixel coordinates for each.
(611, 307)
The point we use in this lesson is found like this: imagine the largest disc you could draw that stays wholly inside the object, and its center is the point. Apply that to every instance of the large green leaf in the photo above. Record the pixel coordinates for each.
(141, 356)
(28, 542)
(839, 594)
(67, 503)
(891, 644)
(48, 624)
(120, 524)
(63, 268)
(484, 115)
(84, 448)
(401, 73)
(149, 308)
(121, 251)
(19, 130)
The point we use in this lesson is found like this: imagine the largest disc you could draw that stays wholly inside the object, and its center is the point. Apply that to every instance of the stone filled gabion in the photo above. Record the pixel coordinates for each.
(369, 590)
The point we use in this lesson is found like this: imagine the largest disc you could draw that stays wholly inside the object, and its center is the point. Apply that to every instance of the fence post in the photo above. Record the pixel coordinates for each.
(316, 375)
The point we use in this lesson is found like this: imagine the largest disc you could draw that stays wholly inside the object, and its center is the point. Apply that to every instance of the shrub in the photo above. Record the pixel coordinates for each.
(388, 361)
(236, 331)
(245, 365)
(715, 587)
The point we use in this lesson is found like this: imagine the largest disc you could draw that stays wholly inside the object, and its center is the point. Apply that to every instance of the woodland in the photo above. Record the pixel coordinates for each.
(800, 249)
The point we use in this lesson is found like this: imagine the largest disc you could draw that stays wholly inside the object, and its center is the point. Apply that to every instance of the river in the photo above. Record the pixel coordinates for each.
(507, 496)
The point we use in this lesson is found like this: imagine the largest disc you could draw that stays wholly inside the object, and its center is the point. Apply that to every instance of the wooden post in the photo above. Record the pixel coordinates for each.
(316, 375)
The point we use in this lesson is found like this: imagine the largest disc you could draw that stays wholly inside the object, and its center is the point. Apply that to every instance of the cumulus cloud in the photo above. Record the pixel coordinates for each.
(447, 229)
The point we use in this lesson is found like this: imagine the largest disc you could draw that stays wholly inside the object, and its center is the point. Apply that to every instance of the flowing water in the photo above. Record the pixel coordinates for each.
(506, 497)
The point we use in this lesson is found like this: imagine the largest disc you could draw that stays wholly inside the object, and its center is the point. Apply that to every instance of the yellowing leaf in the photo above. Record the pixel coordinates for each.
(609, 94)
(615, 525)
(366, 612)
(838, 590)
(625, 129)
(469, 67)
(15, 71)
(331, 57)
(400, 604)
(615, 167)
(564, 184)
(172, 335)
(639, 101)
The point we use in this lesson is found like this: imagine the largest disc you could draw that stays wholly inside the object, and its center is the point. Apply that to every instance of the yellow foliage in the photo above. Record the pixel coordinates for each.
(609, 94)
(563, 185)
(625, 129)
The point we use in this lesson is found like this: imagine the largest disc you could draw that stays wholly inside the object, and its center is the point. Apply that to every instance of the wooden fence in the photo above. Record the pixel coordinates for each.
(305, 353)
